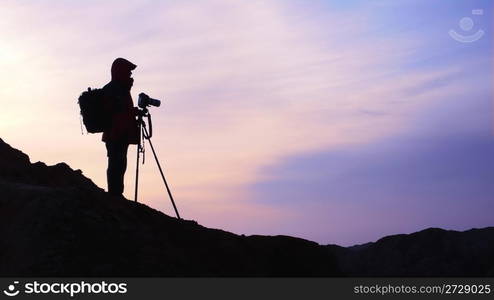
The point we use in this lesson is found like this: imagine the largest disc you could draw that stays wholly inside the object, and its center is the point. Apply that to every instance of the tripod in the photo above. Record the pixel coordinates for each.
(143, 112)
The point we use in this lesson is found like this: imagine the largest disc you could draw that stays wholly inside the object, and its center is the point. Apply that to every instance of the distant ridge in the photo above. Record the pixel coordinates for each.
(56, 222)
(430, 252)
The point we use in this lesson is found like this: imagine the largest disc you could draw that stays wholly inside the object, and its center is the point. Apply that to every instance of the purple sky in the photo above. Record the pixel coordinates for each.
(425, 177)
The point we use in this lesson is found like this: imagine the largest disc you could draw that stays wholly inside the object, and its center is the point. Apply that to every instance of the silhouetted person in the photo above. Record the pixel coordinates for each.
(123, 129)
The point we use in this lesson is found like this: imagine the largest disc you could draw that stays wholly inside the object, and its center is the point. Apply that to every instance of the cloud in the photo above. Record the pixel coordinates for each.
(436, 173)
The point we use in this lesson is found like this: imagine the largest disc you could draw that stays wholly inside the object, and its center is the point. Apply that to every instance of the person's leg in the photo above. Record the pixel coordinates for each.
(112, 167)
(117, 164)
(122, 166)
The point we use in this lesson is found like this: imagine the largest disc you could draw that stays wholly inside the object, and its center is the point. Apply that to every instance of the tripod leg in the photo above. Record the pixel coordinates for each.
(137, 165)
(161, 171)
(137, 173)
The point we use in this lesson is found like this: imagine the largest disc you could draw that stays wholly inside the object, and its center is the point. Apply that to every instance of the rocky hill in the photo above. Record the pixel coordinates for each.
(430, 252)
(56, 222)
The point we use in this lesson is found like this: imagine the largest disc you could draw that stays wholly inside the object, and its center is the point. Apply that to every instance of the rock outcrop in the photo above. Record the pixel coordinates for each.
(56, 222)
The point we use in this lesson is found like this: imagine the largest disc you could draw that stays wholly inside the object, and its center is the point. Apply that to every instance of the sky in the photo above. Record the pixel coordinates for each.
(335, 121)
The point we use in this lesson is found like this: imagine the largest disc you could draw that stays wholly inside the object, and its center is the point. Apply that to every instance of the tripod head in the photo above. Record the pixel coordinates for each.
(144, 112)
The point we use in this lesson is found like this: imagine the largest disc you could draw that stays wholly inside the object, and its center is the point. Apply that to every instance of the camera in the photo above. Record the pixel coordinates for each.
(145, 101)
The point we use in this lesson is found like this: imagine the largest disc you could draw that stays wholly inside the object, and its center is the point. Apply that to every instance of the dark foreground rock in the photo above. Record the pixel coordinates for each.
(56, 222)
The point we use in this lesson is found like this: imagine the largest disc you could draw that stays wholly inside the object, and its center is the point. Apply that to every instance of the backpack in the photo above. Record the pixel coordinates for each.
(94, 117)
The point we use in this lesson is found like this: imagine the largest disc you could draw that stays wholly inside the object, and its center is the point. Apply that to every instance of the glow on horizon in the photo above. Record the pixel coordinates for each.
(239, 94)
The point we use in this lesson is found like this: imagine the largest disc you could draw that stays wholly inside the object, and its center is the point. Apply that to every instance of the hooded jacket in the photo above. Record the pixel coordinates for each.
(119, 106)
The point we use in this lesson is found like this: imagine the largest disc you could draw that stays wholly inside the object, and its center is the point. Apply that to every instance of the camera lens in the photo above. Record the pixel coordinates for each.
(154, 102)
(145, 100)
